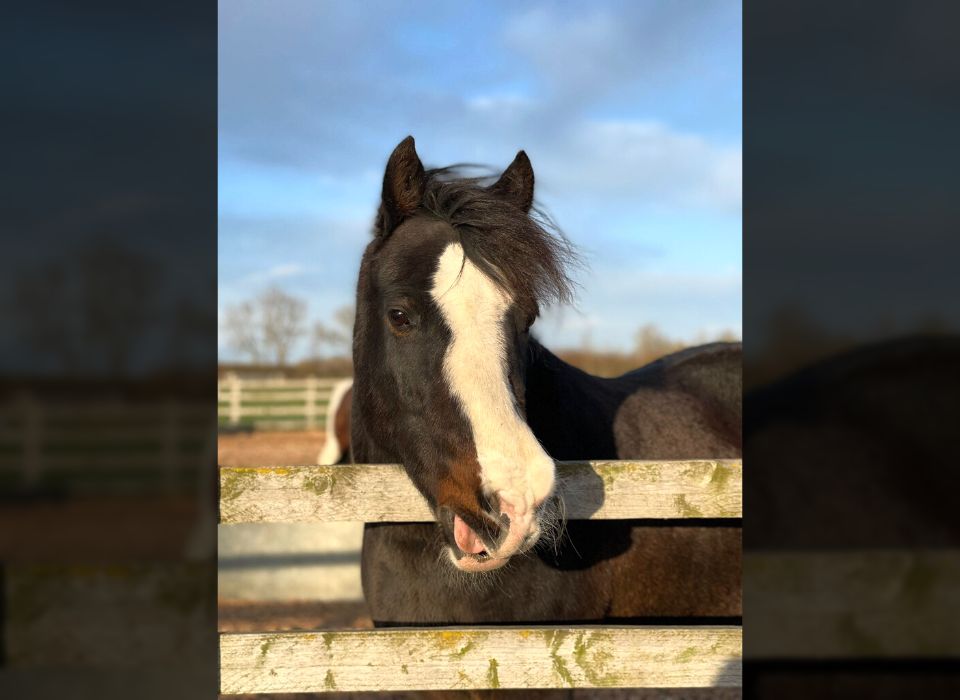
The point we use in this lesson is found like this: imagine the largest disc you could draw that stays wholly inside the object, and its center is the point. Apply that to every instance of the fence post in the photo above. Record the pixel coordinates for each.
(234, 399)
(311, 411)
(32, 440)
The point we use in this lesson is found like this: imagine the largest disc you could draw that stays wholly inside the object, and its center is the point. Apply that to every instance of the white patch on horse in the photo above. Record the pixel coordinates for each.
(332, 450)
(513, 465)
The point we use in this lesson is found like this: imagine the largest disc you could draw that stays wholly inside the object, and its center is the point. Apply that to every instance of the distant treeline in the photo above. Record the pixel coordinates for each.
(265, 329)
(650, 344)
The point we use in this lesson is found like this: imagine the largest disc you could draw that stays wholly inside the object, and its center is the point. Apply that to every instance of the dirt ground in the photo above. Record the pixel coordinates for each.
(84, 529)
(266, 448)
(241, 616)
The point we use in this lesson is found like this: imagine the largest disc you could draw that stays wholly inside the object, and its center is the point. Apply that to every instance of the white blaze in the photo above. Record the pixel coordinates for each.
(513, 464)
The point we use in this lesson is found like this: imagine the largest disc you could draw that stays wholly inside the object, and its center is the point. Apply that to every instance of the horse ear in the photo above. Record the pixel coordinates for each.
(516, 183)
(403, 186)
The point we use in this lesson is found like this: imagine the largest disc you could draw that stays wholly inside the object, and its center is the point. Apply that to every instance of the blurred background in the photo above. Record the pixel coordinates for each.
(631, 115)
(108, 355)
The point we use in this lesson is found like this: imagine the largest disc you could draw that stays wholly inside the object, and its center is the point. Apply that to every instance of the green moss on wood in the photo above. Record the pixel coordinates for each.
(592, 658)
(493, 678)
(466, 647)
(325, 481)
(684, 508)
(319, 484)
(720, 478)
(920, 580)
(233, 482)
(560, 668)
(264, 648)
(554, 639)
(857, 640)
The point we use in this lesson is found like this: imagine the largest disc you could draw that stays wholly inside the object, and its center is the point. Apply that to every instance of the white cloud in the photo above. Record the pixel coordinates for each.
(276, 272)
(645, 160)
(584, 53)
(499, 103)
(280, 271)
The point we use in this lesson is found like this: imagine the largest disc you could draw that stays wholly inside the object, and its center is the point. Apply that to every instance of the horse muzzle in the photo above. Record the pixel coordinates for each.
(475, 551)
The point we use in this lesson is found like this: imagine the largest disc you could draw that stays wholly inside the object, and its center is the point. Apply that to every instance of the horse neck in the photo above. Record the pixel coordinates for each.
(366, 445)
(571, 412)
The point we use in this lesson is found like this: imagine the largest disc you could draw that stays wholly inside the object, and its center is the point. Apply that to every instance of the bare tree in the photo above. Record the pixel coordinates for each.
(117, 298)
(281, 319)
(325, 337)
(267, 327)
(337, 338)
(344, 316)
(45, 312)
(242, 330)
(89, 314)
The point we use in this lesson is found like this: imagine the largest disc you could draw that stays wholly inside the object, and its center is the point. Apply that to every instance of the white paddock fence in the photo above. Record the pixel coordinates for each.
(432, 658)
(60, 442)
(277, 403)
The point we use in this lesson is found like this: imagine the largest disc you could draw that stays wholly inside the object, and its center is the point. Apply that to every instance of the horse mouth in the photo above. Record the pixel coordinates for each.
(471, 553)
(477, 563)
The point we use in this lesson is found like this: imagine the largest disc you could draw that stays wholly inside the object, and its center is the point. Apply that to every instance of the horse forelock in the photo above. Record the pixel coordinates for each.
(525, 253)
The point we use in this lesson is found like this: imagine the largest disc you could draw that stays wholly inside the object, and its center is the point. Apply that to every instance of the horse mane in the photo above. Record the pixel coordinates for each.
(523, 252)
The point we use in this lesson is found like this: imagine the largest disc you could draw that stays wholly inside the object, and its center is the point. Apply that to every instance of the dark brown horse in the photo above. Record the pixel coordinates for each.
(449, 382)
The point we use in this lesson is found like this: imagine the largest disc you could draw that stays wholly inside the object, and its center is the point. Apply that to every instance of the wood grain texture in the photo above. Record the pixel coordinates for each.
(606, 490)
(852, 604)
(477, 658)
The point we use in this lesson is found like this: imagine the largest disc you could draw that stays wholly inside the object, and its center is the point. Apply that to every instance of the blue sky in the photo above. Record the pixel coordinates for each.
(630, 113)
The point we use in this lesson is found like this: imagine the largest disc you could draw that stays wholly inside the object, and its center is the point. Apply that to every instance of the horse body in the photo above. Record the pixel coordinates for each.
(674, 408)
(449, 383)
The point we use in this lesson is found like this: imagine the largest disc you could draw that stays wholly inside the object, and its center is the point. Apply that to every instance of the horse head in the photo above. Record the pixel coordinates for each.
(448, 288)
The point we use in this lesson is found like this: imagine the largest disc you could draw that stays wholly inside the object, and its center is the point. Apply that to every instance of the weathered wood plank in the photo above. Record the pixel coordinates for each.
(852, 604)
(475, 658)
(383, 493)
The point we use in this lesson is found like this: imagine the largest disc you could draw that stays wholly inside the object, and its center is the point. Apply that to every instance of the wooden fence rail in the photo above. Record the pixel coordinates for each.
(481, 657)
(600, 490)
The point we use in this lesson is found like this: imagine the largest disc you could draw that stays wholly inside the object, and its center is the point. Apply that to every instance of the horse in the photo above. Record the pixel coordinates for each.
(336, 444)
(449, 382)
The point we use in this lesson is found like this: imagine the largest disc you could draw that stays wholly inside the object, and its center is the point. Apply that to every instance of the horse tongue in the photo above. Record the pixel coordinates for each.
(466, 538)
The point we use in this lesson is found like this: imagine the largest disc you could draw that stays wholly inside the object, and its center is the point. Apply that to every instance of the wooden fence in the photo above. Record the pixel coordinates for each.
(56, 442)
(277, 404)
(399, 659)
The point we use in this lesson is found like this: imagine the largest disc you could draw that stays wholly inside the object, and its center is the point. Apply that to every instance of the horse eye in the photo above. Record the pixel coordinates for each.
(398, 318)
